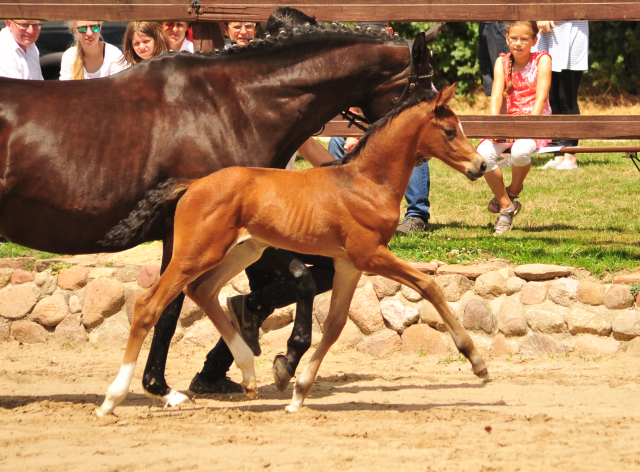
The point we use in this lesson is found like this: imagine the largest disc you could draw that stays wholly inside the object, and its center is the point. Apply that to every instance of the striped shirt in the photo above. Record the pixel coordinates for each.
(568, 45)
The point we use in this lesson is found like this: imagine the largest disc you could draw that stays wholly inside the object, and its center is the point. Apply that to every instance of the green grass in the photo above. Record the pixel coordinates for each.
(587, 218)
(15, 250)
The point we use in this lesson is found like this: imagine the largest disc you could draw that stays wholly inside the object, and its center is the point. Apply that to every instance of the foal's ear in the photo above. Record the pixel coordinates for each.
(446, 94)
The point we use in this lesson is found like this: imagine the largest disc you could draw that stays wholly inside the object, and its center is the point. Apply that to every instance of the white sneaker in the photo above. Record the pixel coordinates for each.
(567, 165)
(552, 164)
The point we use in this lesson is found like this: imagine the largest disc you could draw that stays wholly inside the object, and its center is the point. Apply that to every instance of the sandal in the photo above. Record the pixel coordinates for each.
(494, 206)
(504, 222)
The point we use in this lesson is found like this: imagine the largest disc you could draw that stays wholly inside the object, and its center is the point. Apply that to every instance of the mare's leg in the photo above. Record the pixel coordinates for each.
(204, 291)
(344, 285)
(153, 380)
(386, 264)
(149, 308)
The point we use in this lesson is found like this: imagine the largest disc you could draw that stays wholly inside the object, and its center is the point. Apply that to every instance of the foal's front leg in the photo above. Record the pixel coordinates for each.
(386, 264)
(344, 286)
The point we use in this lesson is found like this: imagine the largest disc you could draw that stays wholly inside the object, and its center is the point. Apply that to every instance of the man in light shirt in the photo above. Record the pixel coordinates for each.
(19, 56)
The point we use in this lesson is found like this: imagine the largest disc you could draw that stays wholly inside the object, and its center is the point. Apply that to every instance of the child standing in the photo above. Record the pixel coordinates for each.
(523, 78)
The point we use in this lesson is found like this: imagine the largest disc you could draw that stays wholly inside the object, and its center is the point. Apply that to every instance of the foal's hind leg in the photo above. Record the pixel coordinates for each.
(204, 291)
(386, 264)
(287, 265)
(344, 285)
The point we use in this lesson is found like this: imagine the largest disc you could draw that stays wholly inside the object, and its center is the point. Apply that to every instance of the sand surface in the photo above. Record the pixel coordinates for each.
(398, 413)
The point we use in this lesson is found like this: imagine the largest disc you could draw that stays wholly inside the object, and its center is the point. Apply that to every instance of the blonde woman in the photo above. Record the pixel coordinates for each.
(143, 40)
(89, 57)
(175, 33)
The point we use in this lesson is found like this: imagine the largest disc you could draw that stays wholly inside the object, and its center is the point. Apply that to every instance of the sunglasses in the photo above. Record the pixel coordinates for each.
(25, 26)
(83, 29)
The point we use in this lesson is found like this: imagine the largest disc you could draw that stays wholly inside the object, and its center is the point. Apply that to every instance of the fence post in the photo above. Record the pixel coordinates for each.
(207, 35)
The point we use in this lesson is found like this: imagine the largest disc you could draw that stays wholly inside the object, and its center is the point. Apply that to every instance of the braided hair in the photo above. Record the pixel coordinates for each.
(534, 31)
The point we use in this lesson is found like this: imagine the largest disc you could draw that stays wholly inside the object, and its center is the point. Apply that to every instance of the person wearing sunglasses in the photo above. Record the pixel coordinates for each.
(19, 56)
(175, 33)
(143, 40)
(89, 57)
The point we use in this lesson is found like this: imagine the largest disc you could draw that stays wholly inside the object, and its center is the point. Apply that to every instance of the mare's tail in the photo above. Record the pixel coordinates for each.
(135, 226)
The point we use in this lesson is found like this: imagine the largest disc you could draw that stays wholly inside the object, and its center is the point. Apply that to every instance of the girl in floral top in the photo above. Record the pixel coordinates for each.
(523, 78)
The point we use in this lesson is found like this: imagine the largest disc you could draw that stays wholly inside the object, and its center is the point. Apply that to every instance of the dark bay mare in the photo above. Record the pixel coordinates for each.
(348, 212)
(77, 156)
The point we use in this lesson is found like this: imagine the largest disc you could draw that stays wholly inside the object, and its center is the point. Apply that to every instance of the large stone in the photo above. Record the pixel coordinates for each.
(470, 272)
(46, 281)
(421, 339)
(128, 273)
(102, 298)
(190, 313)
(513, 285)
(511, 320)
(349, 338)
(240, 283)
(279, 318)
(591, 293)
(581, 321)
(430, 316)
(28, 332)
(596, 345)
(633, 349)
(385, 287)
(424, 267)
(73, 278)
(490, 285)
(453, 286)
(17, 262)
(381, 344)
(397, 315)
(478, 317)
(5, 276)
(16, 301)
(130, 302)
(365, 310)
(75, 304)
(113, 332)
(618, 297)
(5, 332)
(533, 293)
(410, 294)
(539, 345)
(633, 278)
(50, 310)
(541, 271)
(71, 331)
(544, 321)
(148, 275)
(563, 291)
(100, 272)
(503, 346)
(321, 305)
(626, 326)
(201, 333)
(22, 277)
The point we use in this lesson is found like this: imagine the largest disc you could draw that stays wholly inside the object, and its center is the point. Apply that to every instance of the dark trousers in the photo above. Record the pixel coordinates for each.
(268, 292)
(563, 98)
(491, 42)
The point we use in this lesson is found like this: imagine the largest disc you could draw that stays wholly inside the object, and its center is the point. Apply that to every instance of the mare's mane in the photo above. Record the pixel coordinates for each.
(334, 34)
(381, 123)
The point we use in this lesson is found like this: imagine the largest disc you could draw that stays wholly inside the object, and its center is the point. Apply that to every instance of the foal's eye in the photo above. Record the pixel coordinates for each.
(450, 132)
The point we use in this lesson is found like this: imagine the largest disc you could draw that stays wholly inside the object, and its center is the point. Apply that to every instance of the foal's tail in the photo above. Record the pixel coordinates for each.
(135, 226)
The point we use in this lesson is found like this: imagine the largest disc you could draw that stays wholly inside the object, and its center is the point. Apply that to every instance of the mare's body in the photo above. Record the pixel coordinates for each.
(75, 157)
(350, 212)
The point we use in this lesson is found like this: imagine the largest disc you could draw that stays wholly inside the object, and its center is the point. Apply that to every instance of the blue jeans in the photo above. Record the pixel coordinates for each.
(417, 193)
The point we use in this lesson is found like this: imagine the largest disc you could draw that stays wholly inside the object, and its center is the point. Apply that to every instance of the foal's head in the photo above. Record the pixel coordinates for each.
(442, 137)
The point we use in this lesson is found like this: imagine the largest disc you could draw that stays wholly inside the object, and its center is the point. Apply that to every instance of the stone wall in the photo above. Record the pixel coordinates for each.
(526, 310)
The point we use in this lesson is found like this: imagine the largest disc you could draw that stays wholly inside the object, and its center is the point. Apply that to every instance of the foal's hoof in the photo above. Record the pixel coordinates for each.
(250, 393)
(483, 373)
(281, 376)
(174, 398)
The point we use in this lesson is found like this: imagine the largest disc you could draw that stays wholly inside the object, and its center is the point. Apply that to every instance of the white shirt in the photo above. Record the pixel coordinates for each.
(15, 63)
(186, 46)
(567, 44)
(112, 63)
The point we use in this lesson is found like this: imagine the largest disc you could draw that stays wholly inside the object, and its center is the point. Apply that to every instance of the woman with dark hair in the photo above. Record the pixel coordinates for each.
(143, 40)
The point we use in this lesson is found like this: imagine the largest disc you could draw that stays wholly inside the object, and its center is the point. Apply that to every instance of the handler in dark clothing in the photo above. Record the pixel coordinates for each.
(491, 42)
(269, 290)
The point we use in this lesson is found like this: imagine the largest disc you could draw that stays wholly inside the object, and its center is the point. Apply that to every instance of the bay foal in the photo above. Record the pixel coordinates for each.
(348, 212)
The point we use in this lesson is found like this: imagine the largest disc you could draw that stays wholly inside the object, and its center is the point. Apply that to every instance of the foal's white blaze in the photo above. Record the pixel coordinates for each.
(117, 391)
(461, 128)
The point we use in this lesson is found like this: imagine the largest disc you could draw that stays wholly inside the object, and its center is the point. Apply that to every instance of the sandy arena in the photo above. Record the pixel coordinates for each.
(418, 413)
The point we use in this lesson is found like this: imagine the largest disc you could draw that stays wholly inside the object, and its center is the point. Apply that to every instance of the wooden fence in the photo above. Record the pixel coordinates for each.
(207, 34)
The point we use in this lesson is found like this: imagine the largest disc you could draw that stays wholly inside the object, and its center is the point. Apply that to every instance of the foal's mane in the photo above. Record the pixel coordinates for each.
(305, 34)
(381, 123)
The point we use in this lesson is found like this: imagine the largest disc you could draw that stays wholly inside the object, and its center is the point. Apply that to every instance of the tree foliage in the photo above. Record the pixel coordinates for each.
(614, 56)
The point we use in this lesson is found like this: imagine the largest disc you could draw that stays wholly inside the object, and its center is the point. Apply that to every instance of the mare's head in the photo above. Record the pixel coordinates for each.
(442, 137)
(413, 84)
